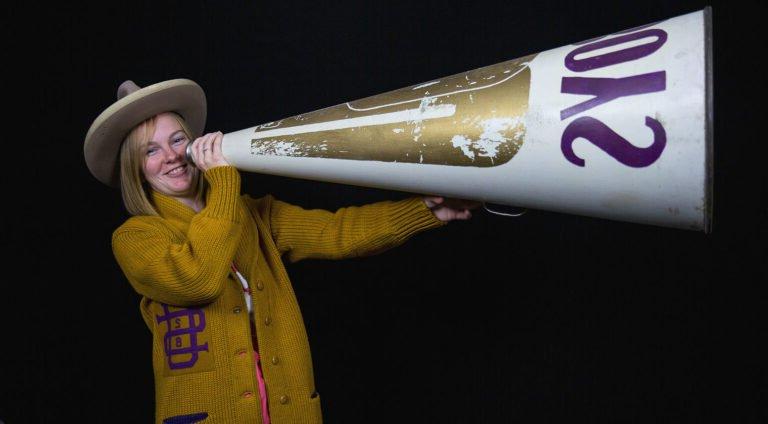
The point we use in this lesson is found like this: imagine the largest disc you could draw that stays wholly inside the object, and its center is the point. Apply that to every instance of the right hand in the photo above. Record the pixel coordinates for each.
(206, 151)
(446, 209)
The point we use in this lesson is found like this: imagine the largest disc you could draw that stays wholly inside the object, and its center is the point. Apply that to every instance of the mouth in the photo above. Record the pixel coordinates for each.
(177, 171)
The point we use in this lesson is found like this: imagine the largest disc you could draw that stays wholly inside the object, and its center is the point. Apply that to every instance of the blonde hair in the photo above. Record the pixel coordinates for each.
(133, 186)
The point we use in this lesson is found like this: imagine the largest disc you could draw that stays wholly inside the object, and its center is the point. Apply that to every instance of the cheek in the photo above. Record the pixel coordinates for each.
(151, 166)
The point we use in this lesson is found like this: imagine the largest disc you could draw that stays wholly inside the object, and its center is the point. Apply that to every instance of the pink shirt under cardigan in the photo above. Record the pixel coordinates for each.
(255, 343)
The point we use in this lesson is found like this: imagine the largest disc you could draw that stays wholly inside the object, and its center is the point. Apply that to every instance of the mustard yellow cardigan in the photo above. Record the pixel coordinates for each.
(180, 263)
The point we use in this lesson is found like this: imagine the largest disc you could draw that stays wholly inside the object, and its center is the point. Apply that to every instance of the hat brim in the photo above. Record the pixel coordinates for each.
(109, 129)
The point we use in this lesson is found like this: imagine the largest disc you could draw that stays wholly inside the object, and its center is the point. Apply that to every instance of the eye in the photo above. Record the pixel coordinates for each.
(180, 140)
(151, 151)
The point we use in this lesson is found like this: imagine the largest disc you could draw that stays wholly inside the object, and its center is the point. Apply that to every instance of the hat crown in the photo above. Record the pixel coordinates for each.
(126, 88)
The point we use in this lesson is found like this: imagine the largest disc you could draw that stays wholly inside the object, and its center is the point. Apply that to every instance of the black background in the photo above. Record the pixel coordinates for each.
(546, 318)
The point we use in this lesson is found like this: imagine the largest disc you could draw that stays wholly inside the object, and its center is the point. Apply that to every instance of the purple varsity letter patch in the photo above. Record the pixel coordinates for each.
(180, 342)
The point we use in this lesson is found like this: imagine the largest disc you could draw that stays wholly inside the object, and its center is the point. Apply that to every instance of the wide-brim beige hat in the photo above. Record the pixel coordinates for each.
(134, 105)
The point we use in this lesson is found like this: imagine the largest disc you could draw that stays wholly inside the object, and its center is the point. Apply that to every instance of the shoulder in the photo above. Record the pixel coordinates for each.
(141, 226)
(258, 203)
(260, 206)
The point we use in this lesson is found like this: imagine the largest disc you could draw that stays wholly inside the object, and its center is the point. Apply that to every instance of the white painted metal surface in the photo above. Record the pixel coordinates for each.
(618, 127)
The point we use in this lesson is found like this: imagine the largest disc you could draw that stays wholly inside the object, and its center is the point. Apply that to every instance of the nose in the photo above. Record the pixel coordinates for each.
(172, 155)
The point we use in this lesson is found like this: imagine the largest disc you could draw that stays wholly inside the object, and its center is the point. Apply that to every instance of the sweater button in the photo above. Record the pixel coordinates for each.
(241, 352)
(260, 285)
(275, 360)
(267, 321)
(236, 310)
(247, 395)
(284, 399)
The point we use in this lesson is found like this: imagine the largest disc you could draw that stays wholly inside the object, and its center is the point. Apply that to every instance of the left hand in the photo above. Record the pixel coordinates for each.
(450, 209)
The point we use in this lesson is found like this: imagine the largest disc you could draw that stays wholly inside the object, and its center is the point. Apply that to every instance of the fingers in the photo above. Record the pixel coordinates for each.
(461, 204)
(207, 151)
(453, 203)
(449, 209)
(200, 148)
(217, 153)
(206, 148)
(462, 215)
(432, 201)
(216, 144)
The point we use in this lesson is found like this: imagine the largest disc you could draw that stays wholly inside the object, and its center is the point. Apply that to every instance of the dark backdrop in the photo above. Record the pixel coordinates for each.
(545, 318)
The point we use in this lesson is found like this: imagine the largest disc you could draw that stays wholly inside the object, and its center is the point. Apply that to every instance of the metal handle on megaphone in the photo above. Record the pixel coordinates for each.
(188, 155)
(518, 211)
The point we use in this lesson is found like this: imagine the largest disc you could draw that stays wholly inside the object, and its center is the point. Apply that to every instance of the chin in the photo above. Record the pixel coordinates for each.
(178, 190)
(182, 191)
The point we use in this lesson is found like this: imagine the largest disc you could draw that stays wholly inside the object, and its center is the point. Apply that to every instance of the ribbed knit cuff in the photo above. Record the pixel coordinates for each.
(223, 192)
(411, 216)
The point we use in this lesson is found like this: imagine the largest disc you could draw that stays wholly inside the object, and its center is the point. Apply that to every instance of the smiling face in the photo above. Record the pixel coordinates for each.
(165, 167)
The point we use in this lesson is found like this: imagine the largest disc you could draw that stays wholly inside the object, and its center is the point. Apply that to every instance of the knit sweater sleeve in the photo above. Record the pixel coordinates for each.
(188, 270)
(349, 232)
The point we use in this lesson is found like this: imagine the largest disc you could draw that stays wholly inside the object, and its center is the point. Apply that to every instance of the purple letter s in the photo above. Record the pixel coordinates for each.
(615, 145)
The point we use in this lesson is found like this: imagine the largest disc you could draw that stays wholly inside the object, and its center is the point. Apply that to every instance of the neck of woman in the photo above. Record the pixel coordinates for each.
(192, 202)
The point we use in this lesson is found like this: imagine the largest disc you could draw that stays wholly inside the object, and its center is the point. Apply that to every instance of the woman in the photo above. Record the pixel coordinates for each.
(229, 344)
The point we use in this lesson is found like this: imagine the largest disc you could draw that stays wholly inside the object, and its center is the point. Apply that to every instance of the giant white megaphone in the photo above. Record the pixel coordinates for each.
(617, 127)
